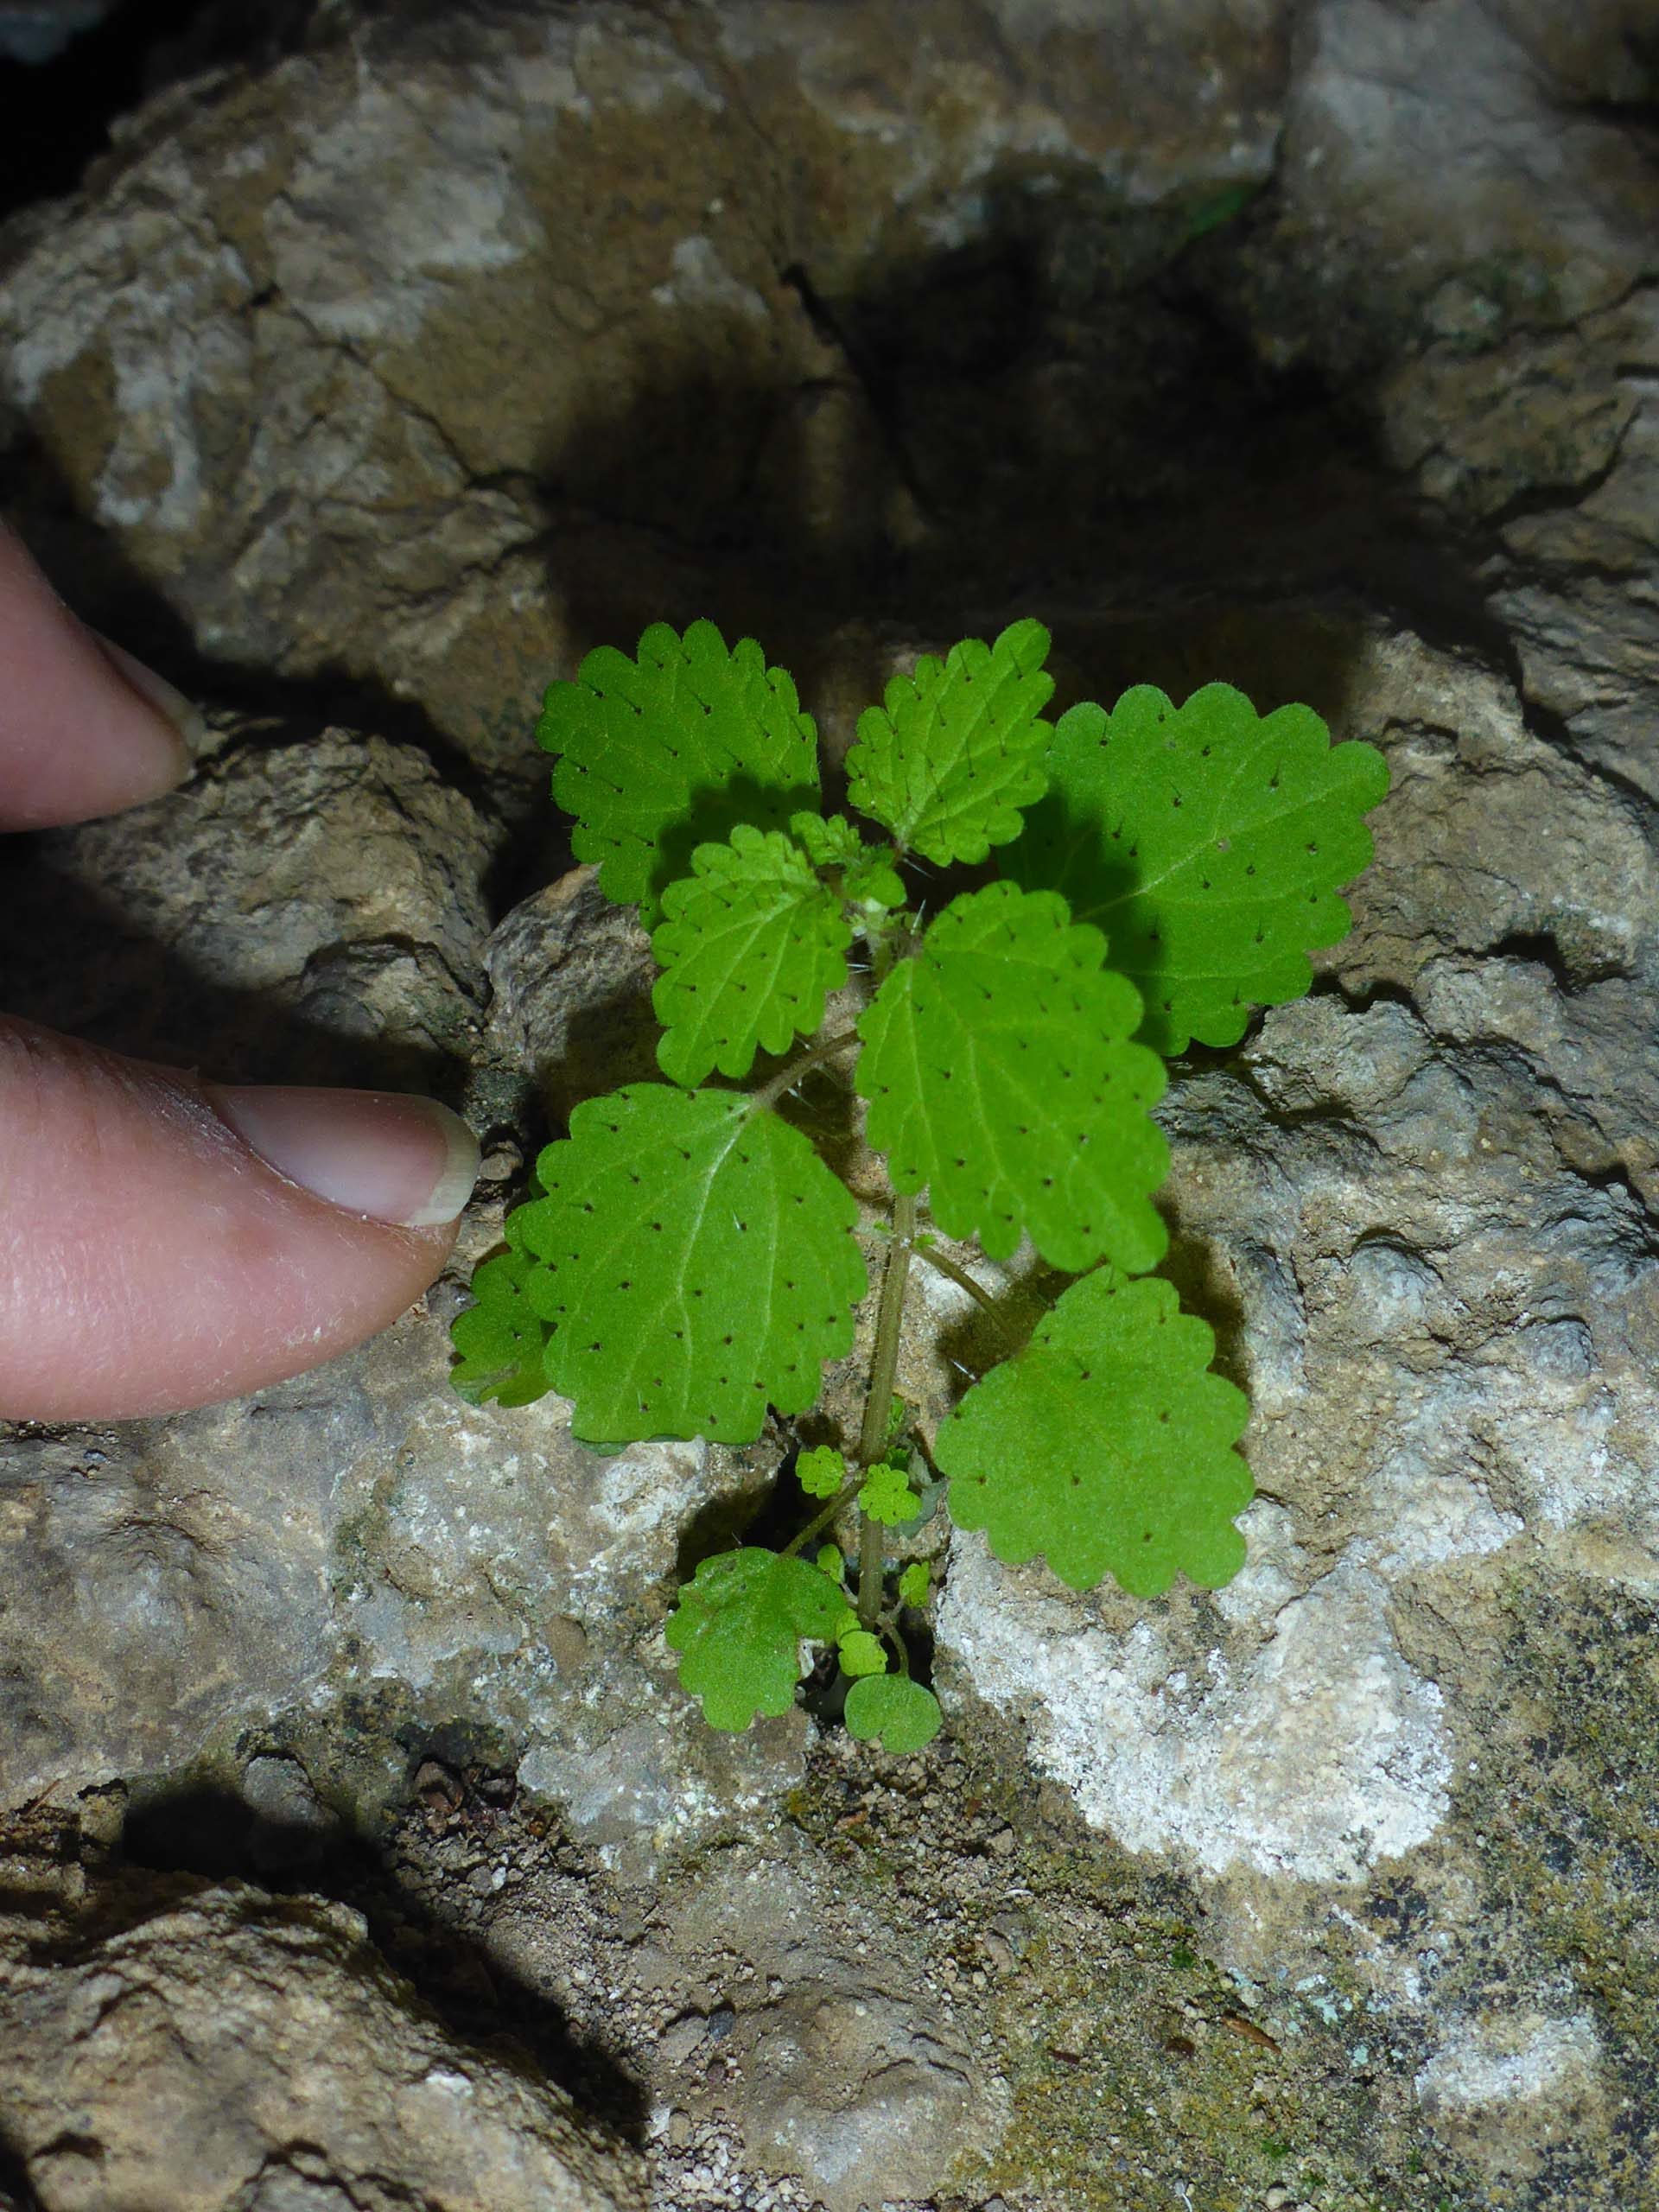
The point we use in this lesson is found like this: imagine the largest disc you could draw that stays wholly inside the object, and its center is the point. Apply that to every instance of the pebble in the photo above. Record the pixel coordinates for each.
(681, 2038)
(998, 1951)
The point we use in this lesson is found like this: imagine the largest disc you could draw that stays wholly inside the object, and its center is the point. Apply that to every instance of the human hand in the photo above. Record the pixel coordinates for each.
(165, 1243)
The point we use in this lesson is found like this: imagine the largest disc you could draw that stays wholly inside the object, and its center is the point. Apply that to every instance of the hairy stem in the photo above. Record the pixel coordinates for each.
(869, 1573)
(890, 939)
(845, 1496)
(960, 1276)
(787, 1078)
(883, 1369)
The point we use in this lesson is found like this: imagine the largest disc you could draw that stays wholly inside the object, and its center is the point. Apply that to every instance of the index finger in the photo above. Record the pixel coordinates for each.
(84, 729)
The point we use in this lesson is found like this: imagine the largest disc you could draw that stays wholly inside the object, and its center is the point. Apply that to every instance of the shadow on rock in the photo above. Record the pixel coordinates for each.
(215, 1834)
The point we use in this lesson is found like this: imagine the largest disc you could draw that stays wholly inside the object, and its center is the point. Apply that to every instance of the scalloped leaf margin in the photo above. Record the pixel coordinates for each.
(1208, 842)
(695, 1260)
(956, 749)
(672, 749)
(1106, 1445)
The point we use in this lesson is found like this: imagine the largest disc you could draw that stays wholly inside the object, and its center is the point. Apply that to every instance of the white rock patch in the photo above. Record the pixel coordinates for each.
(640, 1499)
(1321, 1756)
(1502, 2060)
(701, 279)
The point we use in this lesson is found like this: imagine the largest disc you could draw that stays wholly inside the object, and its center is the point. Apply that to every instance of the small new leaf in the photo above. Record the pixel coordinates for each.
(861, 1653)
(1208, 843)
(822, 1471)
(867, 876)
(831, 1563)
(752, 942)
(958, 749)
(873, 882)
(739, 1627)
(900, 1712)
(501, 1339)
(663, 754)
(886, 1495)
(1106, 1445)
(828, 840)
(696, 1259)
(912, 1584)
(999, 1073)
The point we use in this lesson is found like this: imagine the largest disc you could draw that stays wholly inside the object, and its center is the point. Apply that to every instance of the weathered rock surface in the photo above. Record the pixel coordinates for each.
(1311, 348)
(393, 358)
(313, 905)
(225, 2047)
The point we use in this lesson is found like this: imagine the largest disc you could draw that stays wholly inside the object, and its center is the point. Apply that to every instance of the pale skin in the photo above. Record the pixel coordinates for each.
(166, 1242)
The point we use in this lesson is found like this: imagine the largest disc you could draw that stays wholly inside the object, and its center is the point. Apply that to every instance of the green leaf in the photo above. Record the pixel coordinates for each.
(898, 1710)
(912, 1584)
(866, 872)
(886, 1495)
(697, 1260)
(958, 749)
(1208, 843)
(827, 841)
(1105, 1444)
(660, 755)
(998, 1071)
(831, 1563)
(751, 943)
(821, 1471)
(874, 883)
(861, 1653)
(500, 1340)
(738, 1629)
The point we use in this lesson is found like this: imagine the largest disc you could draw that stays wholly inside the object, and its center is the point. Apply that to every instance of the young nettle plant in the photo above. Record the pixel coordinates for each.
(692, 1260)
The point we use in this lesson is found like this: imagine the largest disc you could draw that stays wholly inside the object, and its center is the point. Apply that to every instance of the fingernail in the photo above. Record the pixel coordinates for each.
(186, 731)
(409, 1161)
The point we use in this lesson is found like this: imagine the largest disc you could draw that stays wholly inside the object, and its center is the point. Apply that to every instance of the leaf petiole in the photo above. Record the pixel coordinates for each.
(821, 1520)
(960, 1276)
(787, 1078)
(883, 1369)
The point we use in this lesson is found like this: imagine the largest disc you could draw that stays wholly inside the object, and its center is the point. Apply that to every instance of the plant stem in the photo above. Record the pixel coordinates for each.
(787, 1078)
(869, 1573)
(960, 1276)
(891, 939)
(883, 1369)
(843, 1496)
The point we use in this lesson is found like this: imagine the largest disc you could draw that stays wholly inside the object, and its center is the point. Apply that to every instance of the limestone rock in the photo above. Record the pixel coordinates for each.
(306, 905)
(223, 2047)
(570, 978)
(852, 2089)
(138, 1595)
(342, 350)
(40, 31)
(846, 2075)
